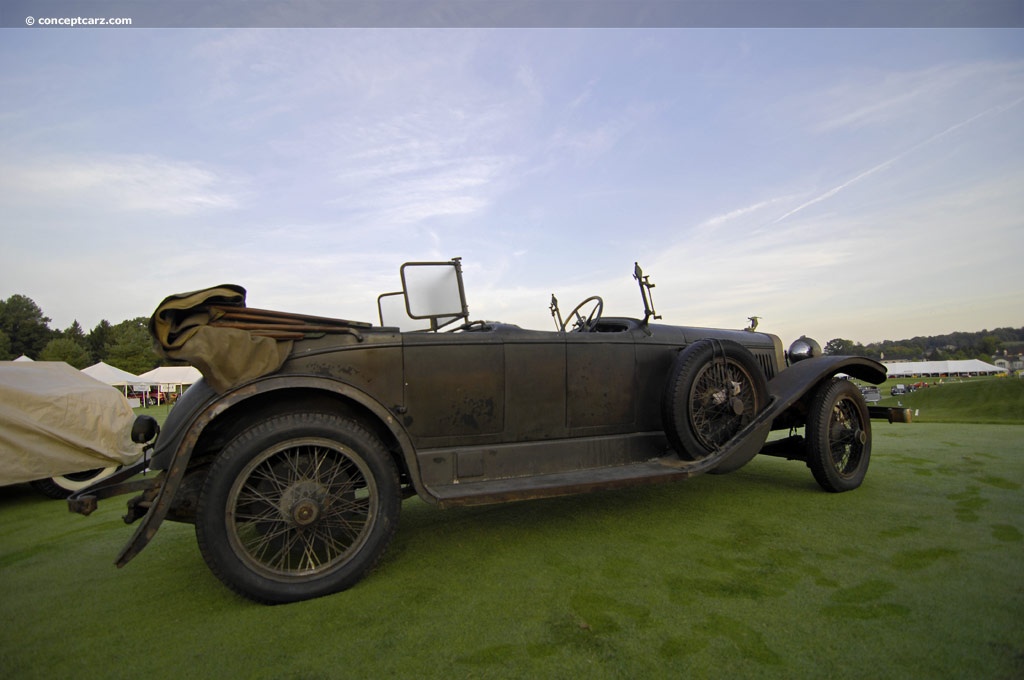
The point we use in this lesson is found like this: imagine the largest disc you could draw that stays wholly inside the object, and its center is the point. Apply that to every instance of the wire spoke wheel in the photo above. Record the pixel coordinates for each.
(298, 506)
(715, 389)
(722, 402)
(838, 436)
(301, 508)
(845, 445)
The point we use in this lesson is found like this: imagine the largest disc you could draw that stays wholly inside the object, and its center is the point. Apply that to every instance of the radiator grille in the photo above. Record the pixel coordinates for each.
(766, 360)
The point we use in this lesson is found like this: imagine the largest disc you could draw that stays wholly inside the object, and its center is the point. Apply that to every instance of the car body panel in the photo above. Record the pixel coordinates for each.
(489, 414)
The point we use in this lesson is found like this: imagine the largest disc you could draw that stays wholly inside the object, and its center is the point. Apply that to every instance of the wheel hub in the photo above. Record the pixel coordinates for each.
(738, 406)
(305, 512)
(302, 502)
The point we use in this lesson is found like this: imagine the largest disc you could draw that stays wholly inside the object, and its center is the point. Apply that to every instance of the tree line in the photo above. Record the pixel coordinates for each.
(25, 330)
(985, 345)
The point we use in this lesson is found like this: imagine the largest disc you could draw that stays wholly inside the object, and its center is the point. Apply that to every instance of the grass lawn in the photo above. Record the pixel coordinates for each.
(754, 574)
(961, 400)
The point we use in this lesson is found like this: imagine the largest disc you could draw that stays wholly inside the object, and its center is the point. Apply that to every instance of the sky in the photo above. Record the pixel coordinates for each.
(840, 183)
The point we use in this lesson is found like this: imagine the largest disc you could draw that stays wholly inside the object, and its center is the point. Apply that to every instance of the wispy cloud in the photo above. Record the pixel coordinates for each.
(837, 189)
(746, 211)
(750, 173)
(992, 111)
(865, 99)
(121, 183)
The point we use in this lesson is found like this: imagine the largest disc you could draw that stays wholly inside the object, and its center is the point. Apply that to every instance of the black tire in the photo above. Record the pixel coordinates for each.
(714, 390)
(64, 485)
(298, 506)
(838, 436)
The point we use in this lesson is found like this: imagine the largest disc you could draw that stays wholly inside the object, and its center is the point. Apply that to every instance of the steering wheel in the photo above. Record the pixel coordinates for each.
(581, 323)
(469, 325)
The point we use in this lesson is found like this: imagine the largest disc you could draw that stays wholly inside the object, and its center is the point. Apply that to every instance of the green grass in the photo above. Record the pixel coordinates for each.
(753, 574)
(159, 412)
(970, 400)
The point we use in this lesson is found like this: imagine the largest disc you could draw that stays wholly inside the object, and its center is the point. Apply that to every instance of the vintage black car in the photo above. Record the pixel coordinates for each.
(293, 455)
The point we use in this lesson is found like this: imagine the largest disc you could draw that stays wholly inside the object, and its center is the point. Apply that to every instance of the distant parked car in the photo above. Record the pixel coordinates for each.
(150, 398)
(898, 389)
(871, 393)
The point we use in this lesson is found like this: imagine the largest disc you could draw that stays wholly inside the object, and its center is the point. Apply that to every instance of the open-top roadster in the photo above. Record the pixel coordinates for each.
(294, 453)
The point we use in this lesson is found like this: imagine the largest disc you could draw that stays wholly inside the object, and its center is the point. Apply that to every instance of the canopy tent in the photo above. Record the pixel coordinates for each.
(111, 375)
(171, 375)
(171, 379)
(902, 369)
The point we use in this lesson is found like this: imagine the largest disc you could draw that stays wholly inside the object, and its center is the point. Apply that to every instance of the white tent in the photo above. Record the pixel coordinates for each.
(24, 358)
(899, 369)
(171, 379)
(115, 377)
(171, 375)
(111, 375)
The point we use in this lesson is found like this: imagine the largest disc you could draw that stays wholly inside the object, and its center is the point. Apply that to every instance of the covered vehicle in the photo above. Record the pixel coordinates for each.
(60, 429)
(293, 454)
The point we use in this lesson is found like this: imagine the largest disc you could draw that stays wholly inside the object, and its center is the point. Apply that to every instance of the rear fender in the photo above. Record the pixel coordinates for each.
(179, 459)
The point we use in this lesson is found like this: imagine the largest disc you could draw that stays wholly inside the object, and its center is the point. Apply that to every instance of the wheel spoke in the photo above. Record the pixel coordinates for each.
(302, 509)
(843, 432)
(713, 415)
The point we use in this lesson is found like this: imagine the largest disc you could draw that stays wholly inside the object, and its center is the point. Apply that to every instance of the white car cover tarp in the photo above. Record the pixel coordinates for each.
(55, 420)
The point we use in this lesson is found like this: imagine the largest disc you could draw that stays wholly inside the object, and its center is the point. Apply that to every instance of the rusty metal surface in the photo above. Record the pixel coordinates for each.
(489, 414)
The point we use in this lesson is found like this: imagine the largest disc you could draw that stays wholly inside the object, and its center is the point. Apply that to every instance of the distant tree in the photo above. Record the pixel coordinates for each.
(989, 345)
(97, 340)
(5, 347)
(25, 326)
(66, 349)
(74, 332)
(130, 347)
(841, 346)
(836, 346)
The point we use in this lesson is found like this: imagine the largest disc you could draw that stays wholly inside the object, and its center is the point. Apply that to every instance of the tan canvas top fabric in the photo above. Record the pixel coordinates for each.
(55, 420)
(225, 356)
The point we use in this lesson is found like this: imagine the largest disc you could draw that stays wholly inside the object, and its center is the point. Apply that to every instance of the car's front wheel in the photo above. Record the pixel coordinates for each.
(838, 436)
(298, 506)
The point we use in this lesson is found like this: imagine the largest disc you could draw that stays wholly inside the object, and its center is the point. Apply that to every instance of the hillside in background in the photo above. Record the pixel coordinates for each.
(997, 400)
(985, 345)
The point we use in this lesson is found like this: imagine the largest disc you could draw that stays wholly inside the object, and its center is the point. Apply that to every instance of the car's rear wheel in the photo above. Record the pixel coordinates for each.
(298, 506)
(714, 390)
(64, 485)
(838, 436)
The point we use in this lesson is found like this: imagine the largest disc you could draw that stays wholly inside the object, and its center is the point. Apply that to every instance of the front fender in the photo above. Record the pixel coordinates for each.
(789, 386)
(796, 380)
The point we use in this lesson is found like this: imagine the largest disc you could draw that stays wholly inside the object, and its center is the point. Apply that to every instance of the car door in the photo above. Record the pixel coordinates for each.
(600, 383)
(454, 387)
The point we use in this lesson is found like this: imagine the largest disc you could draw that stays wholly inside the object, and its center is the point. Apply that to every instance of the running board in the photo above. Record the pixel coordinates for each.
(560, 484)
